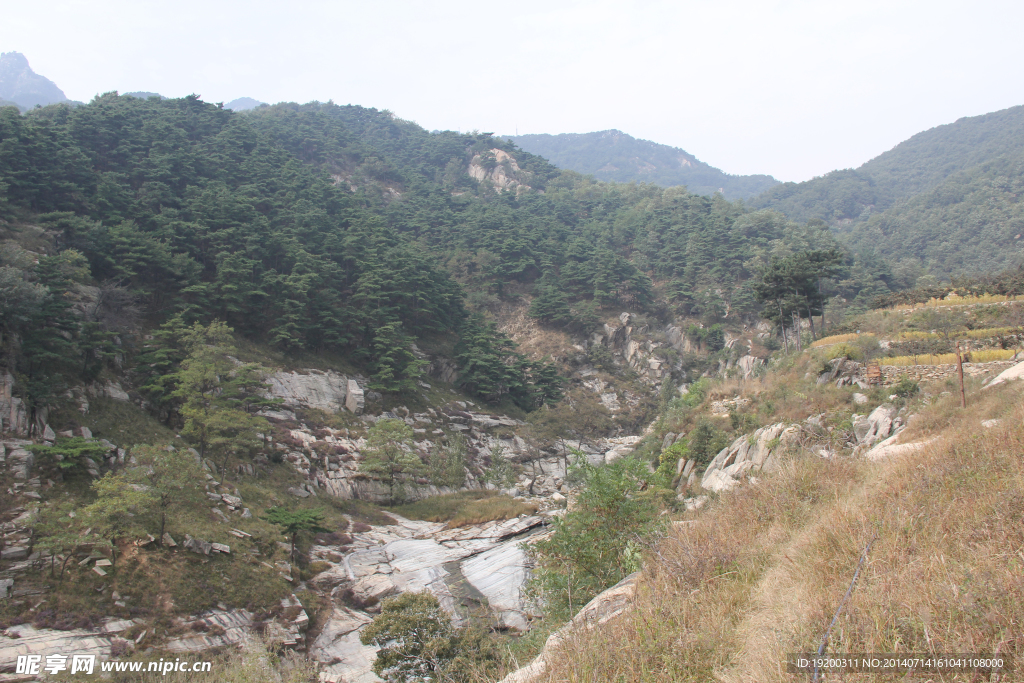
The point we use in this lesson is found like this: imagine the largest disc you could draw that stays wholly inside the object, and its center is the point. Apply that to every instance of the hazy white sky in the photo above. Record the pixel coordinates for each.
(789, 88)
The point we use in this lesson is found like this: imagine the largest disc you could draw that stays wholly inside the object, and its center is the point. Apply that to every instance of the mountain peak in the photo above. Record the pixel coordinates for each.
(243, 104)
(23, 86)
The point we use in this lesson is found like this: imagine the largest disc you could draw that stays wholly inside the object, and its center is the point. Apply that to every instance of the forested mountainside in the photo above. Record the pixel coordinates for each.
(344, 229)
(612, 155)
(944, 201)
(972, 222)
(258, 376)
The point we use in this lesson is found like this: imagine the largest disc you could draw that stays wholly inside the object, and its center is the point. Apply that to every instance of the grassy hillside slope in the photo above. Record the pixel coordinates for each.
(759, 572)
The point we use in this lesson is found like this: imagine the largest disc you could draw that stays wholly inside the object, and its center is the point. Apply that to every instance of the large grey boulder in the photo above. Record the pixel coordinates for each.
(342, 655)
(1008, 375)
(602, 609)
(889, 448)
(355, 401)
(875, 427)
(197, 545)
(748, 454)
(325, 391)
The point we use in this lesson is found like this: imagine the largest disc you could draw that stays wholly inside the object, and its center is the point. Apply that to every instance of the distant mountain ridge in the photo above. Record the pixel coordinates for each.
(918, 164)
(243, 104)
(948, 201)
(612, 155)
(23, 86)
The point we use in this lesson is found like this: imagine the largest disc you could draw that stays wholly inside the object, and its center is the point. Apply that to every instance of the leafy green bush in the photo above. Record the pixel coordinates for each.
(905, 388)
(70, 453)
(390, 457)
(697, 392)
(743, 422)
(596, 544)
(419, 643)
(845, 350)
(501, 472)
(669, 458)
(706, 440)
(447, 465)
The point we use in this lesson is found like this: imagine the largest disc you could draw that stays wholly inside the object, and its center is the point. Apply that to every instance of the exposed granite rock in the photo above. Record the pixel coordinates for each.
(1008, 375)
(503, 174)
(749, 453)
(326, 391)
(602, 609)
(30, 640)
(355, 401)
(343, 657)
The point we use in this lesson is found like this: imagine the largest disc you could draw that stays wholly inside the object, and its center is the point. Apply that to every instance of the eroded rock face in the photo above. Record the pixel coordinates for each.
(29, 640)
(748, 454)
(13, 415)
(343, 657)
(474, 571)
(1009, 375)
(883, 422)
(503, 174)
(748, 365)
(354, 399)
(602, 609)
(327, 391)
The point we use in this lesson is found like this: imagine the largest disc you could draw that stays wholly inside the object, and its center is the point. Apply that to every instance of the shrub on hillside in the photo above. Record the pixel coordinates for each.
(597, 543)
(419, 643)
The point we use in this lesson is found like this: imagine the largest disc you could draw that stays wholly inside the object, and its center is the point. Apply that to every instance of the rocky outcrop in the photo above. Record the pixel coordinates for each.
(13, 414)
(748, 365)
(354, 399)
(889, 448)
(748, 454)
(602, 609)
(843, 372)
(443, 369)
(328, 391)
(497, 167)
(476, 570)
(629, 343)
(637, 347)
(1008, 375)
(108, 388)
(342, 656)
(882, 423)
(220, 627)
(25, 639)
(330, 459)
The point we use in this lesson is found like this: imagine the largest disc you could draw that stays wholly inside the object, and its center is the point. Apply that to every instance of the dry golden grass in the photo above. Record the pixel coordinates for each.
(979, 356)
(465, 507)
(532, 339)
(968, 334)
(834, 339)
(760, 572)
(955, 301)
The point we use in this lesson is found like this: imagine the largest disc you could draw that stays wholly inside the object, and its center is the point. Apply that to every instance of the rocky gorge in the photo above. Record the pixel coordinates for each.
(476, 571)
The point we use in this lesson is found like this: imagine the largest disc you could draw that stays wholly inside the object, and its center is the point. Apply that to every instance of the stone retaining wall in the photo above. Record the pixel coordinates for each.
(892, 374)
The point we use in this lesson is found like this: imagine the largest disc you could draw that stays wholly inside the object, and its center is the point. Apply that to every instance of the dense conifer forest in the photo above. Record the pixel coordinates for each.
(334, 228)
